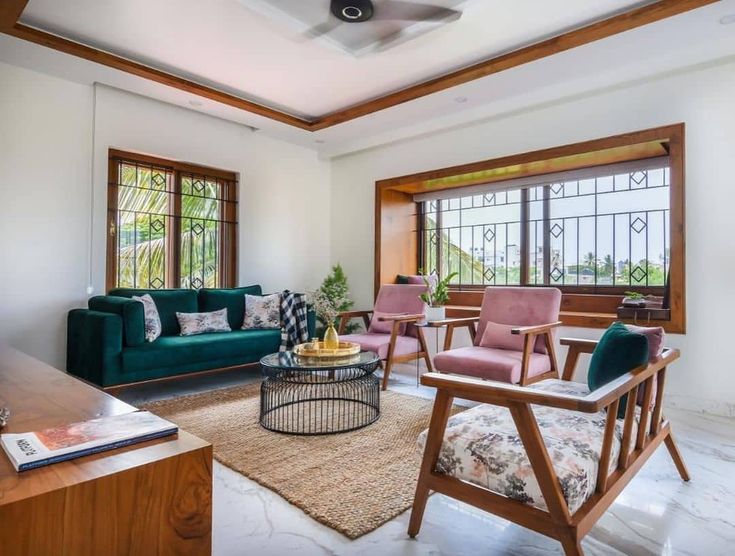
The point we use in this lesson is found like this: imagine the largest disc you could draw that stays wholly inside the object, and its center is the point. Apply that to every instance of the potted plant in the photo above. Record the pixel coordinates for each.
(436, 297)
(634, 299)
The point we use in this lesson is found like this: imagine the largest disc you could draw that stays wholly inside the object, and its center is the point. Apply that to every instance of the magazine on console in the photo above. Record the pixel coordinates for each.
(29, 450)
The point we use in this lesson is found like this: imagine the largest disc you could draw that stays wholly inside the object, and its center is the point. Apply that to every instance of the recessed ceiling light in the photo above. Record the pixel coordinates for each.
(460, 100)
(728, 19)
(195, 102)
(319, 141)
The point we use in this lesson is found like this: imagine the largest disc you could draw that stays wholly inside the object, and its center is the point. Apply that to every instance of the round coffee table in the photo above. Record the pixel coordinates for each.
(310, 396)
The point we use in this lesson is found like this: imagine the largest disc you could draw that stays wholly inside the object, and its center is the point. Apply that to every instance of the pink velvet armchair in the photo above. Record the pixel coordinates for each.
(513, 341)
(389, 329)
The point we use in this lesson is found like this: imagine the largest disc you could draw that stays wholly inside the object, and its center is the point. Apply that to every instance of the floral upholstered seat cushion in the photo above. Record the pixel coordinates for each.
(482, 446)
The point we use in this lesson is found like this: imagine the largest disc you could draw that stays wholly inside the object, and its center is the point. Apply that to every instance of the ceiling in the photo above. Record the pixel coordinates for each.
(231, 47)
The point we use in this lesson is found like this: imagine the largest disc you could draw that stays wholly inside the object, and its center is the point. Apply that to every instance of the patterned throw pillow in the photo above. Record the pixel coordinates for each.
(152, 320)
(201, 323)
(262, 311)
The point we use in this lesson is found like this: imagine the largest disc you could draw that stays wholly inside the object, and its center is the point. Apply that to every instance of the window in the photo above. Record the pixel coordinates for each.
(601, 229)
(171, 225)
(595, 219)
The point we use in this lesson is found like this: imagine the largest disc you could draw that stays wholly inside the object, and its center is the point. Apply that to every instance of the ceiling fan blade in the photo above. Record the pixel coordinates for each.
(322, 29)
(398, 10)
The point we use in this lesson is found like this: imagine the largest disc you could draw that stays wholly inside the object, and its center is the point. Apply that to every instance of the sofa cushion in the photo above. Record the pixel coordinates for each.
(132, 314)
(172, 351)
(482, 446)
(618, 352)
(379, 343)
(490, 363)
(192, 324)
(168, 302)
(152, 320)
(378, 326)
(232, 299)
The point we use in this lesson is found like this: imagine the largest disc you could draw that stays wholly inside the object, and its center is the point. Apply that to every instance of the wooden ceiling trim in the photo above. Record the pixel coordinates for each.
(129, 66)
(656, 11)
(10, 11)
(596, 31)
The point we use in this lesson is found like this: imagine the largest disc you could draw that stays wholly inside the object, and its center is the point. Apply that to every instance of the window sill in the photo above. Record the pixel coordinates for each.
(578, 319)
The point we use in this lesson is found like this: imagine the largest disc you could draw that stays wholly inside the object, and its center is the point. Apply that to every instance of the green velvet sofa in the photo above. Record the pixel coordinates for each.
(106, 342)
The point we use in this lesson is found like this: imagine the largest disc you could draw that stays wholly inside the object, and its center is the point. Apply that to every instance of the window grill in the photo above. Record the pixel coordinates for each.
(171, 225)
(604, 231)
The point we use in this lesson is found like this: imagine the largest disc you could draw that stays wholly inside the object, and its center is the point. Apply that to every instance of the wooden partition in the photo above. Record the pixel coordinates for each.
(396, 237)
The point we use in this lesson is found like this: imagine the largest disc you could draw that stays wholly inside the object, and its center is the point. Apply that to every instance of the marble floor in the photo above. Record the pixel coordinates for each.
(656, 514)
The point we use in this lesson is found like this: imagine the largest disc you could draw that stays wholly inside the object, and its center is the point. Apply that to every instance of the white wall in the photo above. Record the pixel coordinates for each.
(705, 376)
(46, 155)
(45, 150)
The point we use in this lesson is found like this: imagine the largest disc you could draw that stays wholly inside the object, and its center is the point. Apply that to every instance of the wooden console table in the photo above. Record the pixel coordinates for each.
(151, 498)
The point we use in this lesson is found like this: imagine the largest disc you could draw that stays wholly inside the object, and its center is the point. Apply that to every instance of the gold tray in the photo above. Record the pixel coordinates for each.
(344, 349)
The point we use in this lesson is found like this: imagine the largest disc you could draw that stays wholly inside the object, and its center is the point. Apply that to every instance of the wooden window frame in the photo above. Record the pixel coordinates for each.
(397, 220)
(228, 243)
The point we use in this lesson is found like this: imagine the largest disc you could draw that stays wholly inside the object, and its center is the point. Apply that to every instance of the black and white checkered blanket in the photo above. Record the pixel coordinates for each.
(294, 326)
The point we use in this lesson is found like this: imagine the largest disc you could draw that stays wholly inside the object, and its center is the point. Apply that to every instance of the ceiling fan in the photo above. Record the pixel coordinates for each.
(361, 11)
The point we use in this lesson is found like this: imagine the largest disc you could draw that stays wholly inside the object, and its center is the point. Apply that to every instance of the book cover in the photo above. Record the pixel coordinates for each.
(35, 449)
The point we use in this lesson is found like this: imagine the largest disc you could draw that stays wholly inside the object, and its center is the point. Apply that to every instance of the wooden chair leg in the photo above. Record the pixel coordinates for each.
(434, 439)
(676, 456)
(425, 349)
(571, 545)
(386, 370)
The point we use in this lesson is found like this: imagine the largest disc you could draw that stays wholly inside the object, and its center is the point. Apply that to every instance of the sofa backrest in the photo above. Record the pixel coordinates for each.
(232, 299)
(168, 303)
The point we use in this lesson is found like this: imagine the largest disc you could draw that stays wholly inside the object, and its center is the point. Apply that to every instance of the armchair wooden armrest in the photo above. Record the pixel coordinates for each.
(464, 321)
(401, 318)
(499, 393)
(451, 324)
(345, 316)
(576, 347)
(536, 329)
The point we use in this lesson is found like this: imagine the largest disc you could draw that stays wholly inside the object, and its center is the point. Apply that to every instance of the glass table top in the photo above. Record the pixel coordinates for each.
(289, 360)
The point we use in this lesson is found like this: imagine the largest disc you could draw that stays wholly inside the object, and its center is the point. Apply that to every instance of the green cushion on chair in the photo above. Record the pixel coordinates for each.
(618, 352)
(232, 299)
(168, 303)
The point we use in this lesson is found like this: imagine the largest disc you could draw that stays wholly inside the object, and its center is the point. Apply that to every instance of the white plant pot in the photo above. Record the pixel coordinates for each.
(434, 313)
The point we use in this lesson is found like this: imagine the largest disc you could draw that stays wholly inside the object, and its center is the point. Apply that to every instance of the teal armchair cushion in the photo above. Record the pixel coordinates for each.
(619, 351)
(232, 299)
(131, 312)
(168, 303)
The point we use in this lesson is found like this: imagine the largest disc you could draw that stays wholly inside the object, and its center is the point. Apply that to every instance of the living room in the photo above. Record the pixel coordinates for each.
(459, 144)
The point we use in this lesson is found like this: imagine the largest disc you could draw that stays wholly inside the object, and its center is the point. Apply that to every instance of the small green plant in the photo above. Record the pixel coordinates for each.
(336, 292)
(633, 295)
(438, 294)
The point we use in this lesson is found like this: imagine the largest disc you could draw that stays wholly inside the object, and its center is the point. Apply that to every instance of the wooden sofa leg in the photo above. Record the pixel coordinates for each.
(676, 456)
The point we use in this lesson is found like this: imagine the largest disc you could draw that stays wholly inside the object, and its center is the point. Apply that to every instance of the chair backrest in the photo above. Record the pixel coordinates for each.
(401, 298)
(519, 306)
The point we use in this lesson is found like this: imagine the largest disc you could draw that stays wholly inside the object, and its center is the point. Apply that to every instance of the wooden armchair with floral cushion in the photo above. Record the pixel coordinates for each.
(551, 457)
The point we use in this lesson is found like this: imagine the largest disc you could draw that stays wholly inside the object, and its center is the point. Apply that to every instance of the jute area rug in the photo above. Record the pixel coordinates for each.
(352, 482)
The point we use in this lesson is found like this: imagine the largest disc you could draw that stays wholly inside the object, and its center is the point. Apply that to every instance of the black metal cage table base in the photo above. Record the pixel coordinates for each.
(307, 396)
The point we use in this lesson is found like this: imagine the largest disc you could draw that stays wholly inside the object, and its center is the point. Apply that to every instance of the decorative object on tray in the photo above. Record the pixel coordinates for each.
(436, 297)
(36, 449)
(319, 349)
(327, 310)
(4, 416)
